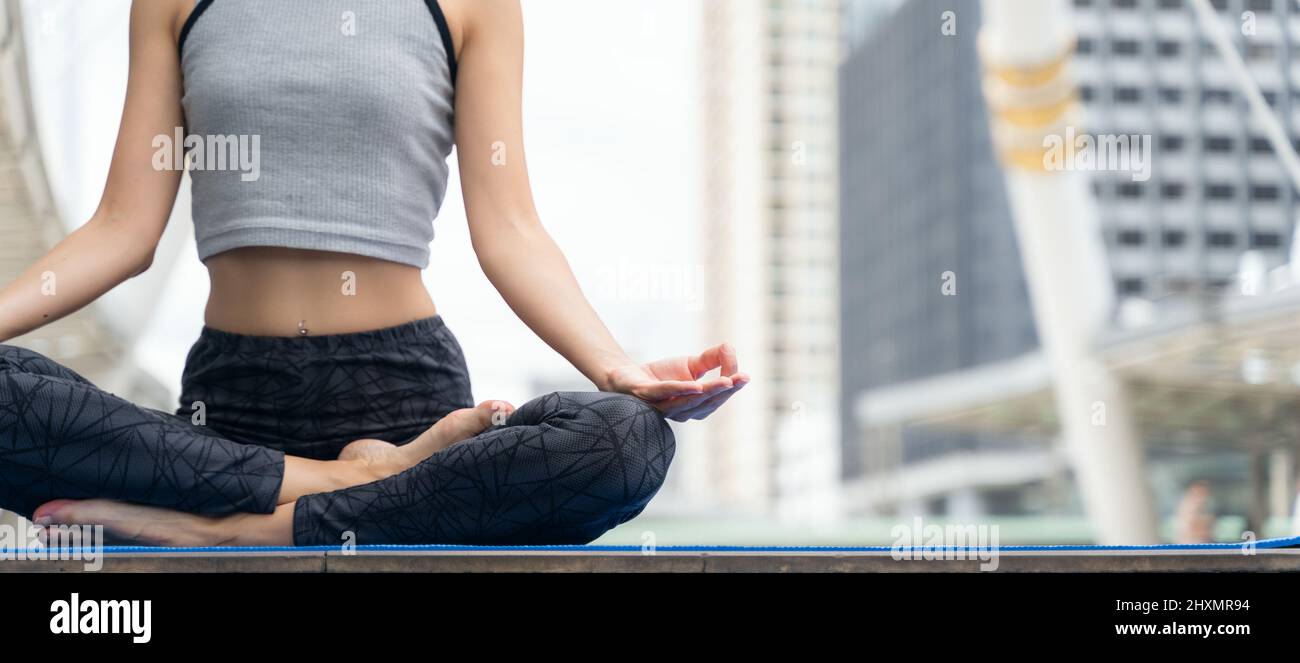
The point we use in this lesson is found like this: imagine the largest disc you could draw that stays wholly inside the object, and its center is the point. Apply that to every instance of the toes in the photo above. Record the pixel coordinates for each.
(54, 512)
(495, 413)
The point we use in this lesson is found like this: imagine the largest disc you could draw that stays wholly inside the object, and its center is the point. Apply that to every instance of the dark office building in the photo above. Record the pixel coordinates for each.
(922, 196)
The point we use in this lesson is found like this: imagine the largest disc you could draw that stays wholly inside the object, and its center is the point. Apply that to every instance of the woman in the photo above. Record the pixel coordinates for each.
(325, 401)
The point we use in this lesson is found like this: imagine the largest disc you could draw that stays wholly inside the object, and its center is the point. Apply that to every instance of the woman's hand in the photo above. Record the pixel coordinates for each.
(676, 386)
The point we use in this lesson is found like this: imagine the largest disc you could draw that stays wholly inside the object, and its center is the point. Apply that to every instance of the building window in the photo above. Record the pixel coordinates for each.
(1172, 190)
(1125, 47)
(1171, 143)
(1218, 143)
(1131, 286)
(1216, 96)
(1221, 239)
(1169, 49)
(1128, 95)
(1129, 190)
(1220, 191)
(1130, 238)
(1266, 240)
(1265, 192)
(1171, 95)
(1174, 238)
(1261, 53)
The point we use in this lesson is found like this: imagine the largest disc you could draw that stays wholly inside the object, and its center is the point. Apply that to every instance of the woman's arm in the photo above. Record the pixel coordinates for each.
(119, 240)
(516, 253)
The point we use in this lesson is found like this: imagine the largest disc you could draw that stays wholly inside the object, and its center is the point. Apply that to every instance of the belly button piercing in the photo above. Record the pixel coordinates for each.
(302, 327)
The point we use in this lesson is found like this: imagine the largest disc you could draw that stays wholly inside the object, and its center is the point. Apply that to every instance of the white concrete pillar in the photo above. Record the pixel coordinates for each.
(1027, 49)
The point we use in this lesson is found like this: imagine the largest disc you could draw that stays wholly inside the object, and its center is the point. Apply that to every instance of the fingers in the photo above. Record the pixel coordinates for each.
(668, 389)
(730, 362)
(698, 407)
(714, 384)
(710, 405)
(722, 356)
(673, 406)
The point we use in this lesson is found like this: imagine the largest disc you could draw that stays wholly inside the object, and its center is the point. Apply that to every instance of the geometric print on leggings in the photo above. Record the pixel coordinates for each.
(61, 437)
(564, 469)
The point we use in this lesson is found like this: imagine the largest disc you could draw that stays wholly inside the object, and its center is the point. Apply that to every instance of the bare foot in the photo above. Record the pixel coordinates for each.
(126, 523)
(364, 449)
(384, 459)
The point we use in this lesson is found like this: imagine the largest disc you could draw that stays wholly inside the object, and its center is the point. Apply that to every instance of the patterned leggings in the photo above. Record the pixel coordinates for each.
(564, 468)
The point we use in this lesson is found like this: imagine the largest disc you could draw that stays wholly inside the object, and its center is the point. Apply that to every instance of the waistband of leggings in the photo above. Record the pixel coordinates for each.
(418, 331)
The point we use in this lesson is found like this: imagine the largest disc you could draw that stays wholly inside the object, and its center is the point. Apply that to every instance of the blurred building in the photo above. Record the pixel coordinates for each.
(1211, 384)
(769, 120)
(1216, 189)
(931, 279)
(861, 16)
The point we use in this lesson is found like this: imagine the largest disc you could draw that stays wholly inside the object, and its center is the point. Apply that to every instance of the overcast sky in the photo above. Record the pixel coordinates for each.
(610, 106)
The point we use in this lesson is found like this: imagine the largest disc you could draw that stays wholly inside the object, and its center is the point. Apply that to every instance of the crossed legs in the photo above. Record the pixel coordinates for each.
(361, 462)
(562, 469)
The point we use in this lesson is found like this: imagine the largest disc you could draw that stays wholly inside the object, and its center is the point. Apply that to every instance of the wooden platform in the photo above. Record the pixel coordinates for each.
(530, 561)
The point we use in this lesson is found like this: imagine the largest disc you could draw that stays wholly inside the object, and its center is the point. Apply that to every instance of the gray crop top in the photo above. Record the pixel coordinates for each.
(318, 124)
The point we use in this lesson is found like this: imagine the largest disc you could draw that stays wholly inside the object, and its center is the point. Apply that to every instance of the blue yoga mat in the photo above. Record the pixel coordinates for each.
(1287, 542)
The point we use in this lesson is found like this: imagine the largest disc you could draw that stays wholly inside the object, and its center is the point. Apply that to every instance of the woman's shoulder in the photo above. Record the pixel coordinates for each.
(161, 14)
(467, 16)
(170, 13)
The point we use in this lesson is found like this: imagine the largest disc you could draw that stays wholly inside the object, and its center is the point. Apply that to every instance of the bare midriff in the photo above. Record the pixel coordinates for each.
(266, 291)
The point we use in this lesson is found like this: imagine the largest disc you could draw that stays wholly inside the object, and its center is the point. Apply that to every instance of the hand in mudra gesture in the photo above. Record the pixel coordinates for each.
(677, 387)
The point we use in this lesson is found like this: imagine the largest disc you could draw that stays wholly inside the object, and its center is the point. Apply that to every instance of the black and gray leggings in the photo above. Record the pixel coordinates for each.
(564, 468)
